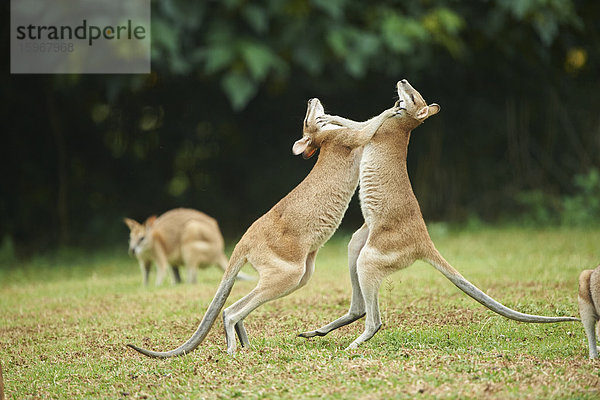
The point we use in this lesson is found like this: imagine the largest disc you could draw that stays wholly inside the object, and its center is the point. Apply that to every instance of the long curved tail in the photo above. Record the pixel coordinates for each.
(209, 318)
(439, 263)
(223, 262)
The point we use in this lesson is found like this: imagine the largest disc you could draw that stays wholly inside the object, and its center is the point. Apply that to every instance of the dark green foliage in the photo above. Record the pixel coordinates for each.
(582, 208)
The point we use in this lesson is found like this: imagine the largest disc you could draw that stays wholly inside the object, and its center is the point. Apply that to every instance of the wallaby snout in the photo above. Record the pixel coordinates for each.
(313, 111)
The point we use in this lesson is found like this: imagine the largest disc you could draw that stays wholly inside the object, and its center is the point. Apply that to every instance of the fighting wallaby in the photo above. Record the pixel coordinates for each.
(394, 234)
(589, 306)
(282, 244)
(178, 237)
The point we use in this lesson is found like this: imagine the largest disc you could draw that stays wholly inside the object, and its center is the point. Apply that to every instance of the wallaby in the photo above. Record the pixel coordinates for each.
(394, 234)
(282, 244)
(178, 237)
(589, 306)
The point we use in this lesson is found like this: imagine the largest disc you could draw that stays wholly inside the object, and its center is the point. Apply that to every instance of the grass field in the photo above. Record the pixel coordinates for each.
(65, 321)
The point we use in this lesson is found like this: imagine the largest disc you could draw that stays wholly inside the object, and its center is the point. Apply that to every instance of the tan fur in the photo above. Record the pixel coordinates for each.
(282, 244)
(178, 237)
(589, 306)
(394, 234)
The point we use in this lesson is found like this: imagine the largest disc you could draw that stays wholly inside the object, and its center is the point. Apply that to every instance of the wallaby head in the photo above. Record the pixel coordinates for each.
(414, 105)
(139, 237)
(312, 132)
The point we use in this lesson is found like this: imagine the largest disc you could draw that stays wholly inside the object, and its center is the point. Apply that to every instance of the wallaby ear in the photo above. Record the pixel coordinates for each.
(150, 221)
(301, 145)
(131, 223)
(428, 111)
(434, 108)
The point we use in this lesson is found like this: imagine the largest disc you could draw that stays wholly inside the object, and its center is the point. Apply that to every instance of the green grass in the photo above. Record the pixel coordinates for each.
(65, 321)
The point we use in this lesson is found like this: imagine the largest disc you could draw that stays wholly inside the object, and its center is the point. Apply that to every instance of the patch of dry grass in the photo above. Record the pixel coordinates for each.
(65, 336)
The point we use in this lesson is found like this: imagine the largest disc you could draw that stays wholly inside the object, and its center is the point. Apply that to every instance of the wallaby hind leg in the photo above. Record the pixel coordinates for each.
(370, 276)
(587, 299)
(162, 264)
(309, 268)
(175, 273)
(308, 271)
(241, 334)
(196, 254)
(589, 327)
(192, 274)
(271, 285)
(589, 319)
(357, 304)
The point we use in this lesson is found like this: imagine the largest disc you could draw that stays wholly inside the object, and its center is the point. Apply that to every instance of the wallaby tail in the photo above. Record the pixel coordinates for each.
(209, 318)
(439, 263)
(223, 262)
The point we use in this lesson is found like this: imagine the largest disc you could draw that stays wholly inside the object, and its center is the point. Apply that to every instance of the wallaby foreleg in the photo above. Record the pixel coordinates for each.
(145, 269)
(371, 124)
(357, 305)
(341, 121)
(359, 133)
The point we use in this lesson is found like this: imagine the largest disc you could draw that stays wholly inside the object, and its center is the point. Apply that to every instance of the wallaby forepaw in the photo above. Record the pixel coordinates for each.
(327, 119)
(322, 121)
(398, 110)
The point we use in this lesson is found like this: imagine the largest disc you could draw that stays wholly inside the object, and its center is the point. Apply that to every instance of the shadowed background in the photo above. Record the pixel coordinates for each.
(212, 126)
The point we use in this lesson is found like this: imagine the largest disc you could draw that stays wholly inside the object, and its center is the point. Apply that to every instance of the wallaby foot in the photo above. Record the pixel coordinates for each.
(342, 321)
(241, 334)
(367, 334)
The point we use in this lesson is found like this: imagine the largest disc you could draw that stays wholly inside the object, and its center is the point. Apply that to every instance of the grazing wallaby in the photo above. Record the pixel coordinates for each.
(589, 306)
(394, 234)
(178, 237)
(282, 244)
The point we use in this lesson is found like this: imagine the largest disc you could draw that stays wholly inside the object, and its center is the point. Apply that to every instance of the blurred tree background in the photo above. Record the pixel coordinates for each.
(518, 138)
